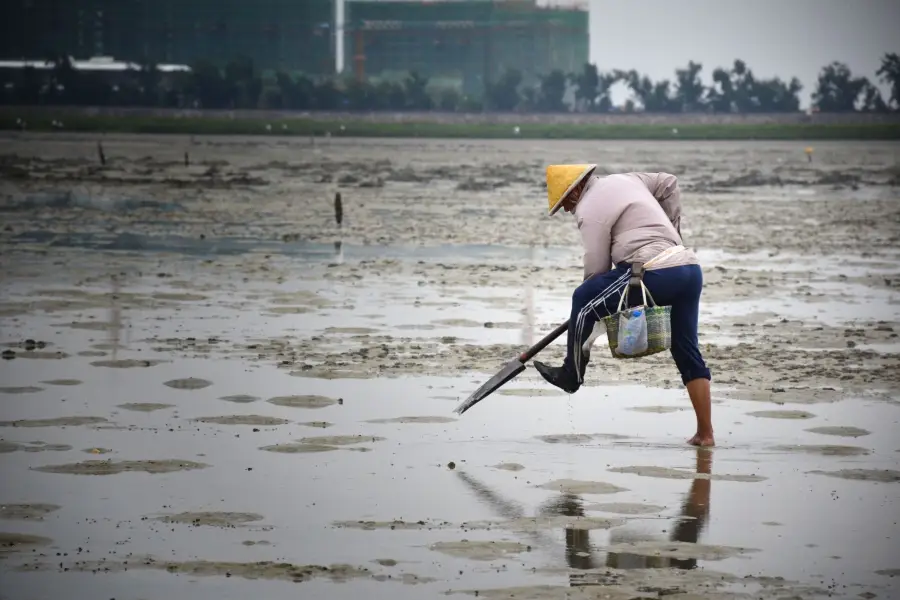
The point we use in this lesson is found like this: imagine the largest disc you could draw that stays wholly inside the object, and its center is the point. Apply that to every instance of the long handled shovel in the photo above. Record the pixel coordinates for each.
(517, 365)
(512, 368)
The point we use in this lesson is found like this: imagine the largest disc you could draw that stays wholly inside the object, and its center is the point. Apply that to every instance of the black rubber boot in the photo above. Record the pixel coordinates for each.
(558, 376)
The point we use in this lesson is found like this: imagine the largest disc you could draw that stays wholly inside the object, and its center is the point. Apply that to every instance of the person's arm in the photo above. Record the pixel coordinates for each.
(596, 238)
(664, 187)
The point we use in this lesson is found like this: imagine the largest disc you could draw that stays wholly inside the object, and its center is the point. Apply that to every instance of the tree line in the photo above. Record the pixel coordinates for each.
(239, 85)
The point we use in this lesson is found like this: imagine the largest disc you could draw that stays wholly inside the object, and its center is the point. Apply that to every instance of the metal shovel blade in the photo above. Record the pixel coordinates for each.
(512, 368)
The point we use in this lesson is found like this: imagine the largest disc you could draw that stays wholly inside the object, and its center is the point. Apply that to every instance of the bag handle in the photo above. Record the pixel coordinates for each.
(644, 291)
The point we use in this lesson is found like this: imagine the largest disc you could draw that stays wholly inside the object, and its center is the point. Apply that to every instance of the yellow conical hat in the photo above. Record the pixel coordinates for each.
(560, 181)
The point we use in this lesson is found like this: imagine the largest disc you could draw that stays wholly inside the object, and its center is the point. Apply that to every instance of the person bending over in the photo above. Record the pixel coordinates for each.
(627, 218)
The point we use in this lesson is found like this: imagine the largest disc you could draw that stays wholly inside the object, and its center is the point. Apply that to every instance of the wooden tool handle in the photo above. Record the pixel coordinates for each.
(546, 341)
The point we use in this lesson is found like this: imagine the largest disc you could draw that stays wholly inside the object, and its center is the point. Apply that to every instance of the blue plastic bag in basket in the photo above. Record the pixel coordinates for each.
(632, 331)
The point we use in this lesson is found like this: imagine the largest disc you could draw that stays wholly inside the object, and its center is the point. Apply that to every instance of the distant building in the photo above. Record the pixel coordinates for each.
(467, 41)
(96, 64)
(294, 35)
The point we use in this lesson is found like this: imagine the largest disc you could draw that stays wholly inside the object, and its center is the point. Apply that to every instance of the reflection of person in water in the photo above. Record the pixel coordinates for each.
(696, 506)
(694, 514)
(578, 541)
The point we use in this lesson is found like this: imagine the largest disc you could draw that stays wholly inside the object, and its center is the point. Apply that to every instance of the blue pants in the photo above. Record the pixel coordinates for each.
(678, 287)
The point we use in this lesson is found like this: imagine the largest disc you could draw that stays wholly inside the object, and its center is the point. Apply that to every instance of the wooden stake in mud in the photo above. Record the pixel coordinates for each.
(338, 209)
(101, 154)
(187, 156)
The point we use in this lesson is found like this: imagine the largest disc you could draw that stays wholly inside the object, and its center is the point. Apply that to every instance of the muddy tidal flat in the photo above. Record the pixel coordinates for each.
(209, 389)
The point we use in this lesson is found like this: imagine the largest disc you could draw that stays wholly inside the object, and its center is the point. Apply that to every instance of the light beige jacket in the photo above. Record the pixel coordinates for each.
(630, 217)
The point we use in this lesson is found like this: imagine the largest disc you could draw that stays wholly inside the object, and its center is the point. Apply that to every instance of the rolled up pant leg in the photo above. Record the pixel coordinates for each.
(680, 287)
(685, 319)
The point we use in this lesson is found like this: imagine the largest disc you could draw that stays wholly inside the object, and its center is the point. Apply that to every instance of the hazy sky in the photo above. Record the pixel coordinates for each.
(784, 38)
(774, 37)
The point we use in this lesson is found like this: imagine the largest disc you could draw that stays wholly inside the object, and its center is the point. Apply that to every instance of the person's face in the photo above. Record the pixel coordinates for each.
(571, 200)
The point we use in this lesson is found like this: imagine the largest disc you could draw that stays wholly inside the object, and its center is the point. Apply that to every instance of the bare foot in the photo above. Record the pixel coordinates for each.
(702, 440)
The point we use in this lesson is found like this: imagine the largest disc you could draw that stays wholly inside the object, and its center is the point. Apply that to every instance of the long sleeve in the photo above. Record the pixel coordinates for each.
(664, 187)
(595, 236)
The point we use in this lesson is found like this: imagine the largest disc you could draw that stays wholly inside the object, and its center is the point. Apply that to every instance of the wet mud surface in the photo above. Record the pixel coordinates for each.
(268, 397)
(109, 467)
(34, 512)
(212, 519)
